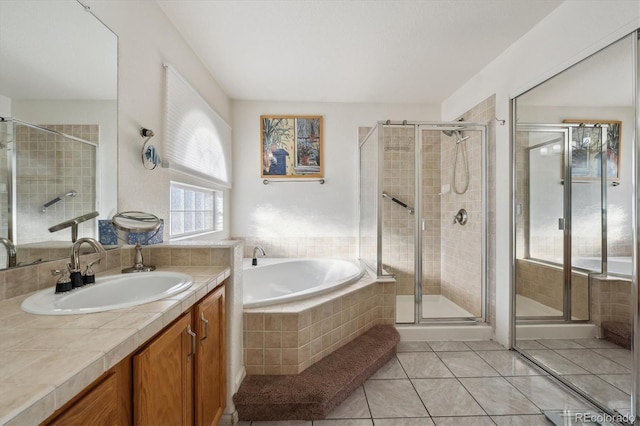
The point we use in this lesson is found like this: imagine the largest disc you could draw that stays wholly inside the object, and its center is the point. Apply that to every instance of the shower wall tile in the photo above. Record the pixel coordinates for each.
(398, 237)
(49, 165)
(431, 206)
(462, 272)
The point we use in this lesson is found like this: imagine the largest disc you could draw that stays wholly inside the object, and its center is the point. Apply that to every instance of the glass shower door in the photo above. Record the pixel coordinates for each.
(369, 232)
(397, 200)
(559, 227)
(453, 232)
(540, 223)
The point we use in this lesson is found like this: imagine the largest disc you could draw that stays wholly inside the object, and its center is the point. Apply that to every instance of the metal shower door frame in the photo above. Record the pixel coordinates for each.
(567, 130)
(439, 126)
(419, 127)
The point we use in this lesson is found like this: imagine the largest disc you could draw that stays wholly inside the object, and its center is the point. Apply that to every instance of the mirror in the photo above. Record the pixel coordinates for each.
(573, 228)
(136, 227)
(58, 98)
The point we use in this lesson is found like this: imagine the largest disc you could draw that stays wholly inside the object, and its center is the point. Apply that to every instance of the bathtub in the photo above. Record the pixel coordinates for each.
(285, 280)
(615, 265)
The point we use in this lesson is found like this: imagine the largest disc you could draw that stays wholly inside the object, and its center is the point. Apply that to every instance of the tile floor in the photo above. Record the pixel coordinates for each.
(450, 383)
(600, 368)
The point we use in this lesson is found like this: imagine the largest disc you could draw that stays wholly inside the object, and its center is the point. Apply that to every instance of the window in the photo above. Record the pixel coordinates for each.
(194, 210)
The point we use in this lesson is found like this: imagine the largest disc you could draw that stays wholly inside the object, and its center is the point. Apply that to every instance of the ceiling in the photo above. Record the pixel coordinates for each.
(404, 51)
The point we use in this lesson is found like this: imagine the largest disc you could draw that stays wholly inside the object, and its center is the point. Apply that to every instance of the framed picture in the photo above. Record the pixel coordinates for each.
(291, 146)
(587, 149)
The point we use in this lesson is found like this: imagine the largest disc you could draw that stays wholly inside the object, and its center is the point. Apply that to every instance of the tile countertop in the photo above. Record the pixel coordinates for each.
(45, 360)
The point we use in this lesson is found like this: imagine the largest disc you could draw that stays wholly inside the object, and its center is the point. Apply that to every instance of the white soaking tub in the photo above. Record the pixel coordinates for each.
(285, 280)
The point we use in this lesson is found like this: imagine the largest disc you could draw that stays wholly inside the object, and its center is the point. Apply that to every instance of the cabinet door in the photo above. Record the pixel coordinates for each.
(99, 406)
(163, 378)
(210, 396)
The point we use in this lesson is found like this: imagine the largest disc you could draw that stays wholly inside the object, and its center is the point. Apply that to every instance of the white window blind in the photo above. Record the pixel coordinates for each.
(198, 141)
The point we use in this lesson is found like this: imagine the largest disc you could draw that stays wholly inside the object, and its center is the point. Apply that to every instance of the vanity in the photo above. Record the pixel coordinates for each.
(176, 377)
(154, 363)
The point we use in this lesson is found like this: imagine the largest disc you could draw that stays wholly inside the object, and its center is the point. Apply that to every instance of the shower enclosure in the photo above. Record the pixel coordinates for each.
(423, 217)
(47, 177)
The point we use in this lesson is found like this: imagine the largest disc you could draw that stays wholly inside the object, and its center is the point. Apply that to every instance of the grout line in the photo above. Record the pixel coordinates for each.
(414, 387)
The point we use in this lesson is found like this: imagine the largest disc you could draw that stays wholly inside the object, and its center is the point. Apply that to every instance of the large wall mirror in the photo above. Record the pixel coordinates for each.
(58, 134)
(573, 231)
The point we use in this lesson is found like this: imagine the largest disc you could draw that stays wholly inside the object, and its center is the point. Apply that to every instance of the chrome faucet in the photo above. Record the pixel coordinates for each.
(75, 251)
(257, 250)
(11, 251)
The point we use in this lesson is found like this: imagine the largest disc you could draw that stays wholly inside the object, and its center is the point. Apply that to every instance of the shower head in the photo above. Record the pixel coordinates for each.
(456, 134)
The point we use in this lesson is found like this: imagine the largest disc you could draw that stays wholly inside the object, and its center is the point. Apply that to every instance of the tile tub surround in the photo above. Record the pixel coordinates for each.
(611, 301)
(610, 296)
(544, 284)
(288, 338)
(46, 360)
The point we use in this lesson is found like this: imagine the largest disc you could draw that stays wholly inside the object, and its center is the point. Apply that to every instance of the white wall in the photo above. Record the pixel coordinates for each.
(146, 40)
(5, 106)
(545, 50)
(296, 209)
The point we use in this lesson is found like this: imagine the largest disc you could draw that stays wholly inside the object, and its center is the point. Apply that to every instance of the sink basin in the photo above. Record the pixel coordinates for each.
(108, 293)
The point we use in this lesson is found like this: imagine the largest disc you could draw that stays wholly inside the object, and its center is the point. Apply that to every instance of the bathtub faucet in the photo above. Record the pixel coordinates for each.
(257, 250)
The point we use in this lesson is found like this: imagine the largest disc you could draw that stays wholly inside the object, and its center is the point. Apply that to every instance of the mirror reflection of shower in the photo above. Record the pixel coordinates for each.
(462, 149)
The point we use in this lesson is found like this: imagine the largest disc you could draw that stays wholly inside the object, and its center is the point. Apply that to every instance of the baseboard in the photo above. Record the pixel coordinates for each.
(419, 333)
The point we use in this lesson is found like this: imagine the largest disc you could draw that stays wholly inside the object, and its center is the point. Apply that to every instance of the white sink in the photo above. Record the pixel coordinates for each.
(108, 293)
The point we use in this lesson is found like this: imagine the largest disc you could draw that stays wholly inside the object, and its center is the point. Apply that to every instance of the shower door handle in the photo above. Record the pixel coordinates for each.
(561, 223)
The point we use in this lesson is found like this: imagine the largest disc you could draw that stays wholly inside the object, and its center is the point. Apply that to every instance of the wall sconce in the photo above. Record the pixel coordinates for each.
(149, 154)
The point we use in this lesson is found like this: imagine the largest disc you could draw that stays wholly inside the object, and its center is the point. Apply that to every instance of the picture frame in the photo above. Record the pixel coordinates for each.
(587, 146)
(291, 146)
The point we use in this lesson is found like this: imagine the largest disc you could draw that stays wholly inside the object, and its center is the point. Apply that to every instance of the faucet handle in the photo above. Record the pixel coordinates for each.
(64, 282)
(89, 276)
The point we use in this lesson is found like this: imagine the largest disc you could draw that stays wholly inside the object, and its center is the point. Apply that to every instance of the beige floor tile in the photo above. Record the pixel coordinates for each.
(393, 398)
(423, 365)
(497, 396)
(467, 364)
(354, 407)
(446, 397)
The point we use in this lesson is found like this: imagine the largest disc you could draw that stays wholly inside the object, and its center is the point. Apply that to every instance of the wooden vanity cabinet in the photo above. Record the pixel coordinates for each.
(176, 378)
(163, 377)
(106, 402)
(210, 365)
(180, 376)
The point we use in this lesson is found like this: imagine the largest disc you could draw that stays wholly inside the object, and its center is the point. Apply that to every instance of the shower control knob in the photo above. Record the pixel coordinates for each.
(460, 217)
